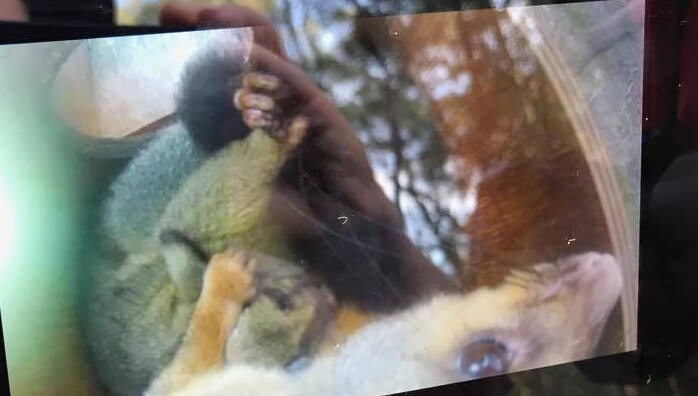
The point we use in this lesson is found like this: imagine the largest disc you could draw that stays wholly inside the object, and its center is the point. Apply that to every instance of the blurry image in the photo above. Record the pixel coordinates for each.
(348, 206)
(145, 12)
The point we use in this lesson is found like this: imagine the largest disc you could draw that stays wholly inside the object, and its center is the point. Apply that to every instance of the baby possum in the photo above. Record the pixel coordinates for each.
(545, 315)
(181, 200)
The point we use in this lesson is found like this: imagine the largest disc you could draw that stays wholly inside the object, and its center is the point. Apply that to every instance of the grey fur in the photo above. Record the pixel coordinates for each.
(140, 194)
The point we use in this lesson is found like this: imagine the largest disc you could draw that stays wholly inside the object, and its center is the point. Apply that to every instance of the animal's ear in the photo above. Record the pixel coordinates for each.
(205, 102)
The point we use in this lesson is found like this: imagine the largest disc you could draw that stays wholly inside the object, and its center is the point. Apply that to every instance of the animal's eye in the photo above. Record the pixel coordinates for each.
(483, 358)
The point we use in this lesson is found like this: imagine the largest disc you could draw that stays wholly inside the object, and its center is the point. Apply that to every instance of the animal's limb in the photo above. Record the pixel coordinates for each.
(228, 284)
(261, 100)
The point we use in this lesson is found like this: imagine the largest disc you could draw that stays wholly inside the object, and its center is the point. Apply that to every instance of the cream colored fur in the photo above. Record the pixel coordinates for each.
(550, 314)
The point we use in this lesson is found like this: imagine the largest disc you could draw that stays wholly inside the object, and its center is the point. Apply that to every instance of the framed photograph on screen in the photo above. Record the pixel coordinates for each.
(354, 205)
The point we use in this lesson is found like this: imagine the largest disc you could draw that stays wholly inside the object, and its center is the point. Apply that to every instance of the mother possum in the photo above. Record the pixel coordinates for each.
(208, 182)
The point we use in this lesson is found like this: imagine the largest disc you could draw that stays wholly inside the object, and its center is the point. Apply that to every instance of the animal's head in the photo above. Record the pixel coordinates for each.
(285, 321)
(545, 315)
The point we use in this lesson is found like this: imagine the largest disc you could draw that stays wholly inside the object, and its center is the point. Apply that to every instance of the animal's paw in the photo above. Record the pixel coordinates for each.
(230, 276)
(261, 101)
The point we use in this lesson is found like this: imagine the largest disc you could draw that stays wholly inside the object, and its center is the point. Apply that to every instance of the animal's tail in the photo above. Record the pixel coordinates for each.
(205, 102)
